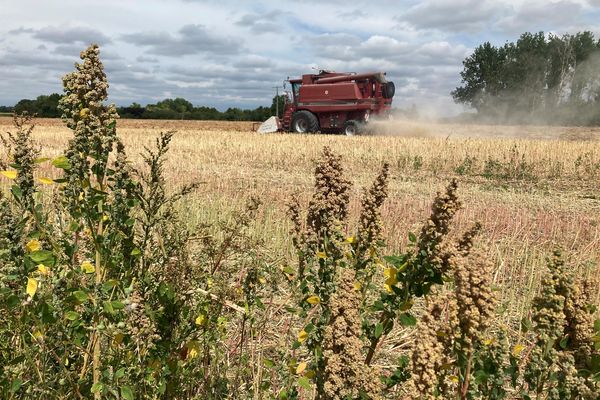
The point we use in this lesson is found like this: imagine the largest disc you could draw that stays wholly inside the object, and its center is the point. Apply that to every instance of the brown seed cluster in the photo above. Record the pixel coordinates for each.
(430, 360)
(297, 232)
(93, 123)
(564, 327)
(454, 324)
(328, 207)
(548, 305)
(474, 296)
(327, 210)
(346, 376)
(10, 240)
(369, 223)
(141, 329)
(579, 319)
(24, 152)
(465, 244)
(436, 228)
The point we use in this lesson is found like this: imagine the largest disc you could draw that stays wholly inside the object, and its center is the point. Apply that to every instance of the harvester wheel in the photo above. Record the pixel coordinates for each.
(304, 122)
(352, 128)
(388, 90)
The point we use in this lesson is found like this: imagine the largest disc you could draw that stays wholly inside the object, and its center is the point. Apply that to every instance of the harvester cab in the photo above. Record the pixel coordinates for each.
(334, 103)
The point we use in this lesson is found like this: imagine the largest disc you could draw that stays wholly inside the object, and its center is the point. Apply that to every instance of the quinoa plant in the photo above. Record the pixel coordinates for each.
(325, 258)
(459, 353)
(564, 362)
(412, 274)
(100, 294)
(320, 245)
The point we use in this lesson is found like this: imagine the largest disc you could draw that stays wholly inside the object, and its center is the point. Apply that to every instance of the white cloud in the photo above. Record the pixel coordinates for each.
(230, 53)
(541, 15)
(452, 15)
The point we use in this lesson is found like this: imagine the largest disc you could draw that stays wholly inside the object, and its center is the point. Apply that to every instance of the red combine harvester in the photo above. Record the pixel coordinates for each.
(334, 102)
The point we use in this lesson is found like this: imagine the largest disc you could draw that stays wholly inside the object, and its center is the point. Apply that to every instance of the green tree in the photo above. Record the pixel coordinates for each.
(482, 77)
(539, 77)
(42, 106)
(525, 72)
(277, 105)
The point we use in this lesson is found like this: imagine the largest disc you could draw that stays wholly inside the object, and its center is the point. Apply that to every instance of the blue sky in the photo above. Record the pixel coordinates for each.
(231, 53)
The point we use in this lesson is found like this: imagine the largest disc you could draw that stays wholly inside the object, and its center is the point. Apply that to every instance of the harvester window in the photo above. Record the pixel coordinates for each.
(296, 90)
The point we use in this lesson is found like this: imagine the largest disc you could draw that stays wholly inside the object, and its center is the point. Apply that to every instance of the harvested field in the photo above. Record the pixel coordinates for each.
(531, 193)
(533, 190)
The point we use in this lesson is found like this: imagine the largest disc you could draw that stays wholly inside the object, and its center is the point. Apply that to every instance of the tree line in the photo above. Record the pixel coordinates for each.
(178, 108)
(540, 78)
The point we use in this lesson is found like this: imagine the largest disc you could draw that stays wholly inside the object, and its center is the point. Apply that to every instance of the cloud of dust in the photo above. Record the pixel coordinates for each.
(416, 121)
(574, 100)
(528, 112)
(401, 126)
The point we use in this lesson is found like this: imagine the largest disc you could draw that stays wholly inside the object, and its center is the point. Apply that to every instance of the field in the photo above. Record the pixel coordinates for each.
(533, 189)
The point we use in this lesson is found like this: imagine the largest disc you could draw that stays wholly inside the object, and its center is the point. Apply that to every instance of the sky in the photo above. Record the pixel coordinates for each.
(233, 53)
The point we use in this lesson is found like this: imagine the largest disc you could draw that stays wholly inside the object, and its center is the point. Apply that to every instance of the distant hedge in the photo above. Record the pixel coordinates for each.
(178, 108)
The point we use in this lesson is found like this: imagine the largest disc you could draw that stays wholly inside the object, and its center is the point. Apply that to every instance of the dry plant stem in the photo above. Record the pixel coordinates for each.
(465, 385)
(96, 336)
(66, 372)
(86, 359)
(226, 303)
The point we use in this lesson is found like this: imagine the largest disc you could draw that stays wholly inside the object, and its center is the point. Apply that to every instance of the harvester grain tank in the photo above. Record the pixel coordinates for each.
(334, 102)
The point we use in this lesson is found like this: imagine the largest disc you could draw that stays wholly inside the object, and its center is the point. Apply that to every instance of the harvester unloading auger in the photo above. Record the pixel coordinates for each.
(333, 102)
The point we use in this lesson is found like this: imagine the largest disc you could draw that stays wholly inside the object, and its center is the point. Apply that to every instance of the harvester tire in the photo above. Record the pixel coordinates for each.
(352, 128)
(388, 90)
(304, 122)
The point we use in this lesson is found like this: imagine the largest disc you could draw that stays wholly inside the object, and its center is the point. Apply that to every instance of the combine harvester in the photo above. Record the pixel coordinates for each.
(333, 102)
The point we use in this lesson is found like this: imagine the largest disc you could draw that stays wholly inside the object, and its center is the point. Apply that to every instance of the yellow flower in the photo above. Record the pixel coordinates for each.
(33, 245)
(302, 336)
(87, 267)
(313, 300)
(37, 335)
(84, 113)
(201, 320)
(357, 286)
(42, 269)
(46, 181)
(391, 279)
(9, 174)
(321, 255)
(193, 349)
(32, 286)
(118, 338)
(517, 349)
(300, 368)
(351, 239)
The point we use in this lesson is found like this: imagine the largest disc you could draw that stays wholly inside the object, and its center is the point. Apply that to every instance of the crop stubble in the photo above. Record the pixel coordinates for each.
(531, 192)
